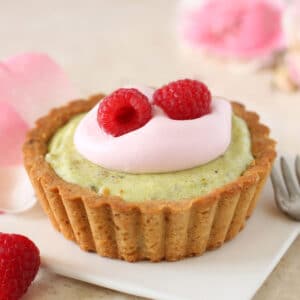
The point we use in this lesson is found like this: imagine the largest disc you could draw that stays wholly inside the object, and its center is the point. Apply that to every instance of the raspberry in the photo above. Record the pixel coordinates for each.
(123, 111)
(19, 263)
(184, 99)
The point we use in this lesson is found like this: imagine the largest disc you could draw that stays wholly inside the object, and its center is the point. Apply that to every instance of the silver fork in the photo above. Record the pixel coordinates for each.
(287, 191)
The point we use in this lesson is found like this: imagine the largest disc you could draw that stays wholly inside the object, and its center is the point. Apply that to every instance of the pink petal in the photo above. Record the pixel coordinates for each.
(33, 83)
(12, 134)
(16, 191)
(30, 85)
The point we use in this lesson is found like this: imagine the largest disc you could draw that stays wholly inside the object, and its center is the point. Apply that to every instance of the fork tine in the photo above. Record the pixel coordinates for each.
(290, 183)
(279, 190)
(297, 166)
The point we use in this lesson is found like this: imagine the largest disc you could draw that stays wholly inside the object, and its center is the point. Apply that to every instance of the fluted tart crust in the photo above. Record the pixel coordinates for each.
(152, 230)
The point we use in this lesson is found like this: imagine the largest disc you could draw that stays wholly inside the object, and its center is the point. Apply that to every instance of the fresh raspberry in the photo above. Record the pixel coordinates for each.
(184, 99)
(123, 111)
(19, 263)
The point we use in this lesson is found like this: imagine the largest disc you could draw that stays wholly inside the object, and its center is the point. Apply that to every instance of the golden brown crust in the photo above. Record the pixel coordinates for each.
(153, 230)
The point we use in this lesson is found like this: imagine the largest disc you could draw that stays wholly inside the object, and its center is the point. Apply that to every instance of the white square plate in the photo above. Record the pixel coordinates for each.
(233, 272)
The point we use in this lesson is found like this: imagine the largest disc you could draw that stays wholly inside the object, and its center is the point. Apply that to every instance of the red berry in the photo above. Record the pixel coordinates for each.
(184, 99)
(123, 111)
(19, 263)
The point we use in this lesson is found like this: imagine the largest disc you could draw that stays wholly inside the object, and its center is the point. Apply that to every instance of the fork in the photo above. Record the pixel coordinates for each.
(287, 191)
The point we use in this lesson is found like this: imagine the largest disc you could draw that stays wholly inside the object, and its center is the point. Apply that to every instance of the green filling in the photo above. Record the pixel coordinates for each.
(72, 167)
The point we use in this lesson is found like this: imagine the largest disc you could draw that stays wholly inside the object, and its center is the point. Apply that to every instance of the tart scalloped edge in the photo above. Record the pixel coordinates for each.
(150, 230)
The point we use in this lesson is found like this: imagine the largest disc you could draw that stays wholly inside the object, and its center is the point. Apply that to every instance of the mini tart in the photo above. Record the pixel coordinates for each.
(152, 230)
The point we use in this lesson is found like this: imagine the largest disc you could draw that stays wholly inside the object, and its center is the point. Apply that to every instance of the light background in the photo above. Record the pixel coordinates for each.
(103, 45)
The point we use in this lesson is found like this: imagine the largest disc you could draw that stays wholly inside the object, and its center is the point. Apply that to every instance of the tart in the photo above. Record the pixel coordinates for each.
(103, 221)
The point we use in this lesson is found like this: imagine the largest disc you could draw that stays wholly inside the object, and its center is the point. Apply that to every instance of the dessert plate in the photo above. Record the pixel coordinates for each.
(234, 272)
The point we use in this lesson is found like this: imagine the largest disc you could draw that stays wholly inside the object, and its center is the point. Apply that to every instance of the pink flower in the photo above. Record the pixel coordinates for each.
(242, 29)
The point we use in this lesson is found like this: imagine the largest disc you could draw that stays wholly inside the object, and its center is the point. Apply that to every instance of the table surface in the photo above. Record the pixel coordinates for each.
(103, 45)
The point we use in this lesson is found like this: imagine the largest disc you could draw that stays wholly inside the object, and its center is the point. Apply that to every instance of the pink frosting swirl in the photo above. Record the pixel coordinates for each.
(162, 145)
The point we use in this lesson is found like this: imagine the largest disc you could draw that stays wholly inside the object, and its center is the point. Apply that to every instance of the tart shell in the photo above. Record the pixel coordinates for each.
(151, 230)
